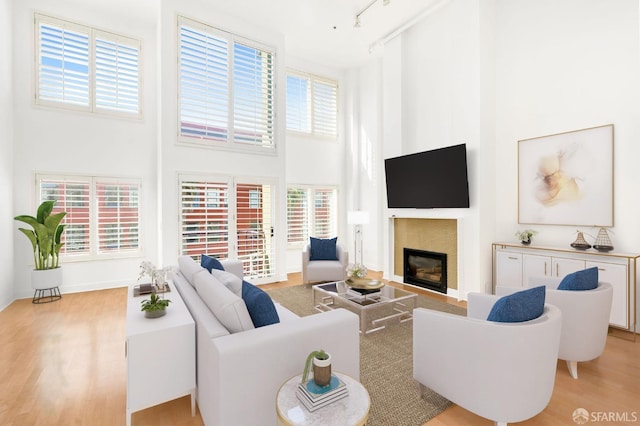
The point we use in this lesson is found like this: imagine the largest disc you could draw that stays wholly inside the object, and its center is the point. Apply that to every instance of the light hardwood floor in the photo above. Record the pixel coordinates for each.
(63, 363)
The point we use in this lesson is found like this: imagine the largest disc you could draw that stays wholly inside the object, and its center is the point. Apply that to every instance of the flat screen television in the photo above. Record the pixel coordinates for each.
(428, 180)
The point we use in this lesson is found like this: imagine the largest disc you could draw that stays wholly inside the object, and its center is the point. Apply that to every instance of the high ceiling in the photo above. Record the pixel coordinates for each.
(321, 31)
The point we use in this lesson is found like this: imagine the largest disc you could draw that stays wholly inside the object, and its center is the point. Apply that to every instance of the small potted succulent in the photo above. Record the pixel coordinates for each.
(155, 306)
(321, 361)
(525, 236)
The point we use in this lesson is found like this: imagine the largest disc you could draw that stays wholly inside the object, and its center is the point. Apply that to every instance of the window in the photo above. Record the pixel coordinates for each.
(84, 68)
(103, 214)
(239, 226)
(312, 105)
(311, 212)
(226, 87)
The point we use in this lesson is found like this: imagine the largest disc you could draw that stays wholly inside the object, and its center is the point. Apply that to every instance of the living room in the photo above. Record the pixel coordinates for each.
(484, 73)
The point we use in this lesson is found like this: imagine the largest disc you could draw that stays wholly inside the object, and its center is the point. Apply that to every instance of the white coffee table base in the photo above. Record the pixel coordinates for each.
(351, 410)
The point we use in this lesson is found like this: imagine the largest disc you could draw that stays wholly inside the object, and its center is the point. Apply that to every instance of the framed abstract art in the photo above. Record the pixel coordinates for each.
(567, 178)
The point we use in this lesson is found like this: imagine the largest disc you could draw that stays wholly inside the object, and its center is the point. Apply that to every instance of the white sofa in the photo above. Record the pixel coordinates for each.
(239, 374)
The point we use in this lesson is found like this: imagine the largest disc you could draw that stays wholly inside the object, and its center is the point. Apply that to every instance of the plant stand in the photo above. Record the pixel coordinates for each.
(40, 295)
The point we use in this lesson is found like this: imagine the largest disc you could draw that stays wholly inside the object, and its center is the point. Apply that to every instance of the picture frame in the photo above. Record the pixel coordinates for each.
(567, 178)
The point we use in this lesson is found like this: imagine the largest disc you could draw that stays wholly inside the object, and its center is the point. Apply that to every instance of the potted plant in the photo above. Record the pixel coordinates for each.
(158, 275)
(526, 235)
(321, 367)
(45, 238)
(155, 306)
(356, 270)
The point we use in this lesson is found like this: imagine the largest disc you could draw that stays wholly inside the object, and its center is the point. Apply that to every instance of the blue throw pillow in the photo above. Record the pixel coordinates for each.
(518, 307)
(323, 249)
(260, 306)
(209, 263)
(586, 279)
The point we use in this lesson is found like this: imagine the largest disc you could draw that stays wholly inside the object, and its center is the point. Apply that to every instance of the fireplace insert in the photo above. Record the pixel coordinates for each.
(426, 269)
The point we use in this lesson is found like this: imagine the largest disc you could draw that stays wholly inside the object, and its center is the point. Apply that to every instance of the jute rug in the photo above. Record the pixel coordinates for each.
(386, 364)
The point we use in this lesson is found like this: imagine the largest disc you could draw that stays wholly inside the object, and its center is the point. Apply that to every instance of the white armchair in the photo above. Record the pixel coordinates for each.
(324, 270)
(585, 319)
(504, 372)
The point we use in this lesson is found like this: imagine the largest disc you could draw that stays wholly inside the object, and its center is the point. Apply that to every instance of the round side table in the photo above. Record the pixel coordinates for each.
(350, 410)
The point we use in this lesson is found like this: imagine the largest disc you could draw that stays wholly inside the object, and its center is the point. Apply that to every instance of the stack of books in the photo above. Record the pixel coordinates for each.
(313, 396)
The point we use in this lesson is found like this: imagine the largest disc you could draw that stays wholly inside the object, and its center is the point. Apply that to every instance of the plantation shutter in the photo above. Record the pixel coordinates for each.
(254, 221)
(72, 196)
(325, 108)
(204, 217)
(298, 104)
(325, 224)
(204, 83)
(297, 215)
(118, 215)
(63, 62)
(253, 95)
(117, 63)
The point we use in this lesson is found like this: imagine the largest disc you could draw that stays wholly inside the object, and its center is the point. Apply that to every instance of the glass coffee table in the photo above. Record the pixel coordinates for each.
(375, 308)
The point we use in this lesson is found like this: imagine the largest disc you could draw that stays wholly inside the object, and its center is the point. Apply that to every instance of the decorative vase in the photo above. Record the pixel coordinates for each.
(525, 242)
(322, 371)
(155, 314)
(44, 279)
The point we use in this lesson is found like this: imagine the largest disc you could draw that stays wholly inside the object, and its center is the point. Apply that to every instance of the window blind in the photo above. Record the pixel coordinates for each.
(297, 215)
(204, 218)
(311, 211)
(213, 65)
(254, 228)
(312, 105)
(84, 68)
(103, 214)
(325, 224)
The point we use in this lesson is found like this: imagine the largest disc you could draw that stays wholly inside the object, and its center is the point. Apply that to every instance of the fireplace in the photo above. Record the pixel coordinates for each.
(426, 269)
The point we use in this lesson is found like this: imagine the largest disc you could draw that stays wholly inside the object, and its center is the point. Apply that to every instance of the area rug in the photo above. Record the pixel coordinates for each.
(386, 364)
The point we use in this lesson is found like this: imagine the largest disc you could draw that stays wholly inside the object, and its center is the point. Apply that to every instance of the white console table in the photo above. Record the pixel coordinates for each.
(161, 354)
(513, 264)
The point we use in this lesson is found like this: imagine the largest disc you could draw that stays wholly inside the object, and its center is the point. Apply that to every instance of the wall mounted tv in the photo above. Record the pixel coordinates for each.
(428, 180)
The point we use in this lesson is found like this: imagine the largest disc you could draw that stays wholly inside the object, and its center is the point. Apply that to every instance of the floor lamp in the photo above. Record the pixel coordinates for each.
(358, 218)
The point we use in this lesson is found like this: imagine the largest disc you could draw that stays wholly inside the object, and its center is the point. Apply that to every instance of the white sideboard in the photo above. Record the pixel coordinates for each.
(161, 354)
(513, 264)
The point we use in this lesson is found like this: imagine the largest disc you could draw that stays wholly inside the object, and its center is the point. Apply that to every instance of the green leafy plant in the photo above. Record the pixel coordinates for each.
(526, 235)
(154, 303)
(45, 236)
(321, 354)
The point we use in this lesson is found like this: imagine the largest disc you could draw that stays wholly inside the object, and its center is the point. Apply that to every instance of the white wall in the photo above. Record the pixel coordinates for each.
(565, 66)
(7, 225)
(60, 141)
(440, 82)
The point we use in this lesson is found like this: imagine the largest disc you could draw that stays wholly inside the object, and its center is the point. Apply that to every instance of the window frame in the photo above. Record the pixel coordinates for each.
(313, 116)
(92, 228)
(311, 217)
(92, 34)
(230, 141)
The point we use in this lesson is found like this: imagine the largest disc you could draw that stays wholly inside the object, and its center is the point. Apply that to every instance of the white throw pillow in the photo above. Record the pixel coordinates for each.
(230, 281)
(230, 309)
(189, 268)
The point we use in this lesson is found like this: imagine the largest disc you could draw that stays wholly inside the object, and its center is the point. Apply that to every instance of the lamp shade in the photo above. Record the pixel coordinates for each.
(358, 217)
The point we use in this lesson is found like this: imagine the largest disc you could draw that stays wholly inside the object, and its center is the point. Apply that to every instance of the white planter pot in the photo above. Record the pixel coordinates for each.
(46, 278)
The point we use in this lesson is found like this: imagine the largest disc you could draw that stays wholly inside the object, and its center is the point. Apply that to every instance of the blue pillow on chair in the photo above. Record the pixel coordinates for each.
(519, 307)
(586, 279)
(209, 263)
(260, 306)
(323, 249)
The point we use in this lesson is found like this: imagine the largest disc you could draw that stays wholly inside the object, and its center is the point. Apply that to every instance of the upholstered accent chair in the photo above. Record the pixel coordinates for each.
(502, 371)
(585, 319)
(324, 270)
